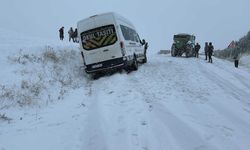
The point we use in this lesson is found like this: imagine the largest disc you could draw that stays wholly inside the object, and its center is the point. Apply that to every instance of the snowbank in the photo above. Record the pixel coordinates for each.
(35, 71)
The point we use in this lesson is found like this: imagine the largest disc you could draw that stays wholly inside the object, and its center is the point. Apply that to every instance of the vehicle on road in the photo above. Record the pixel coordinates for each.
(183, 44)
(109, 41)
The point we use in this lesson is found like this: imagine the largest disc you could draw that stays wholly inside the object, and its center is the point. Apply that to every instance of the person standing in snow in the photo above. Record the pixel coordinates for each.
(143, 42)
(75, 34)
(197, 48)
(145, 48)
(210, 52)
(236, 60)
(61, 33)
(71, 32)
(206, 50)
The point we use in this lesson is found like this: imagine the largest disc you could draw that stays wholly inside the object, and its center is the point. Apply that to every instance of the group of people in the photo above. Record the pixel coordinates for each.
(209, 49)
(72, 34)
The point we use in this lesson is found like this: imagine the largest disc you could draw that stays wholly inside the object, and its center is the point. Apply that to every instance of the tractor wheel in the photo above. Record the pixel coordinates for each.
(173, 51)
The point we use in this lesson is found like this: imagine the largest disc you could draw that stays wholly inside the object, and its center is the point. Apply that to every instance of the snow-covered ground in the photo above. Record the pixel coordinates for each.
(169, 103)
(245, 61)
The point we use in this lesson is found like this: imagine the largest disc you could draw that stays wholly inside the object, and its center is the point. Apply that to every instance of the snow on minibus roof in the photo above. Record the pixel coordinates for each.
(106, 14)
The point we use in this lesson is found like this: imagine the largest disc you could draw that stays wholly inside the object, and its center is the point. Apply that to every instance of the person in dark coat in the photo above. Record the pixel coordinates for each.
(210, 52)
(197, 48)
(236, 60)
(206, 50)
(145, 48)
(75, 35)
(61, 33)
(71, 34)
(143, 42)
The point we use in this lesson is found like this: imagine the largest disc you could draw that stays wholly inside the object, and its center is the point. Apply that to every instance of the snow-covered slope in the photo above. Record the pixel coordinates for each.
(245, 60)
(35, 71)
(169, 103)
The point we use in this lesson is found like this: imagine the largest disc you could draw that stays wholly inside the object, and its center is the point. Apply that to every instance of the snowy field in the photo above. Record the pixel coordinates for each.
(48, 103)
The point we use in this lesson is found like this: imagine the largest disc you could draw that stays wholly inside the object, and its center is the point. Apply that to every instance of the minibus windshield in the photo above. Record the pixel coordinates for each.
(99, 37)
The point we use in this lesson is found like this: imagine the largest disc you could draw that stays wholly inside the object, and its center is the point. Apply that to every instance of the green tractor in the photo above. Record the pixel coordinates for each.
(183, 44)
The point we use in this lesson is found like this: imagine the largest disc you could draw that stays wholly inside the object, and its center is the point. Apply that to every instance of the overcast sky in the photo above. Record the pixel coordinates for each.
(218, 21)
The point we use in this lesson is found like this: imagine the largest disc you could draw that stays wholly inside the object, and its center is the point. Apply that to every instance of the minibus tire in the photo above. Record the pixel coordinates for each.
(135, 63)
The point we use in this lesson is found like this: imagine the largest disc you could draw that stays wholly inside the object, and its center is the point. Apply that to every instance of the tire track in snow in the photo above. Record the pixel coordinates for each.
(174, 131)
(227, 86)
(159, 116)
(178, 132)
(242, 79)
(236, 93)
(92, 135)
(114, 116)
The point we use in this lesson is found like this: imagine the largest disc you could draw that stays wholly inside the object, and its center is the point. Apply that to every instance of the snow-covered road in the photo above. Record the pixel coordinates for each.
(169, 103)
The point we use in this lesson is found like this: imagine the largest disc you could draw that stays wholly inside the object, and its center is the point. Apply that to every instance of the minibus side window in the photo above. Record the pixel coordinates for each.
(129, 34)
(137, 39)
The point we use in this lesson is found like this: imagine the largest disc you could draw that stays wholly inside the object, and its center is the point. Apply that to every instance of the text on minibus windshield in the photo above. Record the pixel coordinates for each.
(97, 34)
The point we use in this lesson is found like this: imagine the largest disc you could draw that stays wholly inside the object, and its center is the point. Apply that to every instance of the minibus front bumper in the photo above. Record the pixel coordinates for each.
(105, 65)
